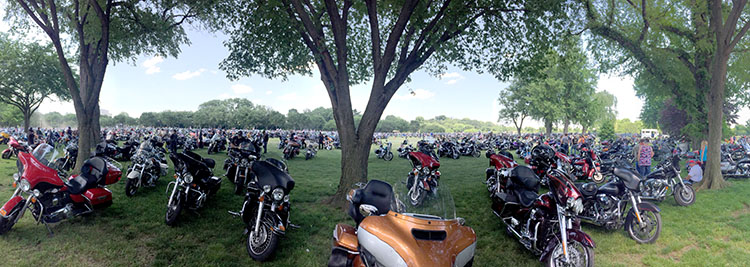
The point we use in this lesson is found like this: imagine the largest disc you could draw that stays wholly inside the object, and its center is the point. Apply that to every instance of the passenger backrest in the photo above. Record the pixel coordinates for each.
(524, 177)
(378, 194)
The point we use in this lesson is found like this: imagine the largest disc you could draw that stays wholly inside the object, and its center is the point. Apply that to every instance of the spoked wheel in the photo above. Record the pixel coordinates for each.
(173, 209)
(650, 230)
(388, 156)
(416, 196)
(6, 154)
(476, 153)
(7, 224)
(578, 255)
(684, 195)
(262, 244)
(597, 177)
(131, 187)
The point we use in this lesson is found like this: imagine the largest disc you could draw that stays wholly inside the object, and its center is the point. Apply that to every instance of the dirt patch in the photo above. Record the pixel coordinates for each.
(743, 211)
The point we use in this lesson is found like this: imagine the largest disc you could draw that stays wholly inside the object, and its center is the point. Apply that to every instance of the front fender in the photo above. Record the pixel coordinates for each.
(8, 207)
(134, 174)
(648, 206)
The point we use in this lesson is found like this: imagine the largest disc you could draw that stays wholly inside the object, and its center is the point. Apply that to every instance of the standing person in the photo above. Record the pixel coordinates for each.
(566, 144)
(30, 137)
(646, 152)
(173, 142)
(320, 140)
(637, 153)
(265, 141)
(703, 153)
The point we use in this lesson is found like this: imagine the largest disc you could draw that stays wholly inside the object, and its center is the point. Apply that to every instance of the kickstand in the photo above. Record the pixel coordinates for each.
(49, 230)
(293, 226)
(234, 213)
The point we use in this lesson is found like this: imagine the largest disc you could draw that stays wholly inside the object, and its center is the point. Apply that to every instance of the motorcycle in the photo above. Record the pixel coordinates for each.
(123, 153)
(237, 165)
(4, 138)
(146, 168)
(544, 224)
(194, 184)
(384, 152)
(216, 145)
(291, 149)
(732, 168)
(587, 167)
(666, 175)
(469, 149)
(423, 178)
(500, 167)
(14, 148)
(403, 151)
(311, 151)
(606, 206)
(389, 233)
(68, 161)
(449, 149)
(51, 199)
(265, 211)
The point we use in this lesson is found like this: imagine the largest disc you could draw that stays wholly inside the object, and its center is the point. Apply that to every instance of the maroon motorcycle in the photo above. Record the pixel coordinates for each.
(14, 147)
(500, 166)
(587, 166)
(423, 178)
(545, 224)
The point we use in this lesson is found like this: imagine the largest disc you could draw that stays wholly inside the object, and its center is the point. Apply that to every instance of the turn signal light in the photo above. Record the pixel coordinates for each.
(3, 212)
(282, 227)
(281, 207)
(262, 198)
(175, 176)
(15, 184)
(33, 200)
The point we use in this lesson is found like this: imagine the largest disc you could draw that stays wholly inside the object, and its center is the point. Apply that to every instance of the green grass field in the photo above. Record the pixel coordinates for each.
(715, 231)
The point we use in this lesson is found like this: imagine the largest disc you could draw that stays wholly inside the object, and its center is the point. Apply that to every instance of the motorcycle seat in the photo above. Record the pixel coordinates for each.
(525, 197)
(587, 189)
(376, 193)
(93, 170)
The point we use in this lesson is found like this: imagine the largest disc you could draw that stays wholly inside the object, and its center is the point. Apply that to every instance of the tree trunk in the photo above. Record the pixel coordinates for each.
(89, 132)
(565, 126)
(26, 120)
(584, 128)
(548, 126)
(715, 98)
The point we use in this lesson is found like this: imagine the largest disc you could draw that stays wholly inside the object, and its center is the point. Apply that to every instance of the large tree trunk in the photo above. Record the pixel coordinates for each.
(26, 120)
(715, 99)
(548, 126)
(89, 132)
(565, 126)
(584, 127)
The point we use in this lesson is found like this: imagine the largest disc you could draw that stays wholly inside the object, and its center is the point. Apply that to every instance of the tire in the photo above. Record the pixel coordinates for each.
(239, 187)
(7, 224)
(684, 195)
(174, 211)
(598, 177)
(582, 255)
(267, 242)
(476, 153)
(388, 156)
(6, 154)
(416, 198)
(131, 187)
(653, 223)
(307, 156)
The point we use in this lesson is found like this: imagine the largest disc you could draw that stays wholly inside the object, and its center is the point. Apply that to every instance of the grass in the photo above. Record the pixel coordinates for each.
(714, 231)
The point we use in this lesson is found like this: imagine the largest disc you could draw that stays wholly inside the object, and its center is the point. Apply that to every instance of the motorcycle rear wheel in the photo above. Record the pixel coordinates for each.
(262, 246)
(684, 195)
(476, 153)
(7, 224)
(649, 233)
(6, 154)
(578, 253)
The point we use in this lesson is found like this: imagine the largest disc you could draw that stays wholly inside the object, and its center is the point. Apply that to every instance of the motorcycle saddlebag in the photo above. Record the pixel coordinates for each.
(99, 197)
(113, 174)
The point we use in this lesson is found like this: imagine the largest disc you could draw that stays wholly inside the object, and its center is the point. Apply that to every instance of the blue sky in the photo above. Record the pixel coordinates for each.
(183, 83)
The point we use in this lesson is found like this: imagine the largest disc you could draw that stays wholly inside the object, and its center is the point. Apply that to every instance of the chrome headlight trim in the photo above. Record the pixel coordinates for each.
(24, 184)
(278, 194)
(266, 188)
(188, 178)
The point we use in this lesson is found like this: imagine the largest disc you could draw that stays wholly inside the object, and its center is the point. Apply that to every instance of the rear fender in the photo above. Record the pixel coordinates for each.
(8, 207)
(573, 234)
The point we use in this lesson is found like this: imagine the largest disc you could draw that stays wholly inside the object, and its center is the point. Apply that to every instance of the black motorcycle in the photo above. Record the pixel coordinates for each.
(665, 180)
(449, 149)
(147, 165)
(607, 206)
(311, 152)
(734, 168)
(384, 152)
(68, 161)
(265, 211)
(194, 185)
(216, 145)
(469, 149)
(291, 149)
(237, 165)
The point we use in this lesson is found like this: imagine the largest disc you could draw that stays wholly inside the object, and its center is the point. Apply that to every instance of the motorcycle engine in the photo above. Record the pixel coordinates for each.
(607, 206)
(652, 187)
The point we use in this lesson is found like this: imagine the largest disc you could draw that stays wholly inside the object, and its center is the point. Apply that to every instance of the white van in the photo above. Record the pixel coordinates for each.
(649, 133)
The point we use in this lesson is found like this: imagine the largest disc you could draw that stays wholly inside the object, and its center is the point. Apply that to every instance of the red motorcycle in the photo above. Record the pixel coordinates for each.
(545, 224)
(14, 147)
(51, 199)
(423, 177)
(500, 167)
(587, 167)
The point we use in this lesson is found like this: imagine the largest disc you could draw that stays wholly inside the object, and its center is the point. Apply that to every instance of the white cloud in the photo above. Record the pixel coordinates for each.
(416, 94)
(452, 77)
(268, 92)
(225, 96)
(150, 64)
(241, 89)
(188, 74)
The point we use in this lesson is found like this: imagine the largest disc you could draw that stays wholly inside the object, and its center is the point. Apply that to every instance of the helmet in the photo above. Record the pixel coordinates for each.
(542, 156)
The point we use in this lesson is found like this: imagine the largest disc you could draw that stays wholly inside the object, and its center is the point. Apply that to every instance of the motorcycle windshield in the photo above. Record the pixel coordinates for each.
(438, 206)
(45, 154)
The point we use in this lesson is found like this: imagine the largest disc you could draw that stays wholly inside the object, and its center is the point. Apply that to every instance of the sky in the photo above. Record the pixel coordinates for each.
(153, 84)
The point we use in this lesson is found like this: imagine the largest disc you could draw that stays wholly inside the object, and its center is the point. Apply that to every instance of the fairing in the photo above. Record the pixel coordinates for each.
(424, 160)
(501, 161)
(37, 173)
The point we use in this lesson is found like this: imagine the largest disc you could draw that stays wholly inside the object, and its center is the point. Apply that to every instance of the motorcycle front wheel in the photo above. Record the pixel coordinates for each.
(684, 195)
(476, 153)
(6, 154)
(651, 226)
(416, 196)
(173, 210)
(7, 224)
(261, 246)
(131, 187)
(578, 255)
(388, 156)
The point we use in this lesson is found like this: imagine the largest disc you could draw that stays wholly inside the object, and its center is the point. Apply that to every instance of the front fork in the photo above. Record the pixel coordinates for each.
(257, 218)
(634, 201)
(563, 222)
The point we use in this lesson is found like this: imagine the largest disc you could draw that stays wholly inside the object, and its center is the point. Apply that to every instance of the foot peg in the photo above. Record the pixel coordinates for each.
(234, 213)
(294, 226)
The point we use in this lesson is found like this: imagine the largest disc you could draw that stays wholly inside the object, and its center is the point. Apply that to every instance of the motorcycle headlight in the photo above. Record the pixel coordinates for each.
(278, 194)
(36, 193)
(25, 186)
(266, 188)
(188, 178)
(286, 198)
